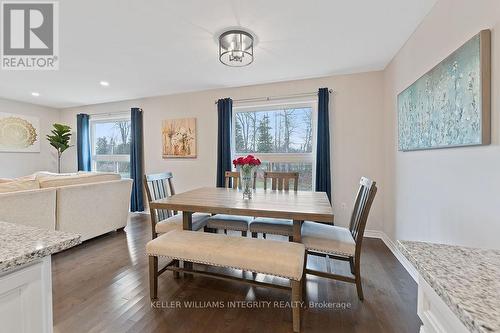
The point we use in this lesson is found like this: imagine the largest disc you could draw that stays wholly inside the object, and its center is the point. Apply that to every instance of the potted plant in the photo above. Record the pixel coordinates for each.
(61, 135)
(247, 166)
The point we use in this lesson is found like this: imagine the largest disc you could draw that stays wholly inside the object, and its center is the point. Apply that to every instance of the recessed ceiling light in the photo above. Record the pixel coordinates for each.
(36, 94)
(104, 83)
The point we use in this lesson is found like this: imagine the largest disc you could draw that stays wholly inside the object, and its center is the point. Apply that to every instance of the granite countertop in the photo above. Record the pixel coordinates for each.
(22, 244)
(467, 279)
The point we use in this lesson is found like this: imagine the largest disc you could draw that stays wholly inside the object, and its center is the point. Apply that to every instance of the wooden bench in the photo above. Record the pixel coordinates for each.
(282, 259)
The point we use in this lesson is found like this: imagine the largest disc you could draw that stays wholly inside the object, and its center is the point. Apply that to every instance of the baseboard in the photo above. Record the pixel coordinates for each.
(394, 249)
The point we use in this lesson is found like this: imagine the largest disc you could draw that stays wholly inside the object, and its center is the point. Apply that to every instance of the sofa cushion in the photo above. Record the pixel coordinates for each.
(41, 174)
(76, 179)
(19, 185)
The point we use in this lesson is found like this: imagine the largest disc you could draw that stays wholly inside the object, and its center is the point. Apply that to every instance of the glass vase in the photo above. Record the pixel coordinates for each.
(247, 175)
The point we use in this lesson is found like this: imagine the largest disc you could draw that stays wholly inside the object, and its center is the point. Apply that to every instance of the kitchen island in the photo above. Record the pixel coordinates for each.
(26, 277)
(458, 287)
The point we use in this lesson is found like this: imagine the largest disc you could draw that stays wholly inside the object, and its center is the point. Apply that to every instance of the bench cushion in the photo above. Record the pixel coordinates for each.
(276, 258)
(175, 223)
(328, 238)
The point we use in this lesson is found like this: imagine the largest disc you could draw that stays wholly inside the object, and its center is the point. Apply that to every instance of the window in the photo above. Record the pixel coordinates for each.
(282, 136)
(110, 140)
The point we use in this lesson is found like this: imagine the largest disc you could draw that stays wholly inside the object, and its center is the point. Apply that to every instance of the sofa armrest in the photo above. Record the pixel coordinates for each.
(93, 209)
(35, 208)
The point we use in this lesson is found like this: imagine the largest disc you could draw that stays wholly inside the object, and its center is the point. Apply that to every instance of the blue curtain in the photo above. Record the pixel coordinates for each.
(136, 166)
(83, 142)
(225, 110)
(323, 177)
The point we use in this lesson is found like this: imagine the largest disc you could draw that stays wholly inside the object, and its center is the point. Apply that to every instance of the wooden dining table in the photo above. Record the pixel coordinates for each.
(298, 206)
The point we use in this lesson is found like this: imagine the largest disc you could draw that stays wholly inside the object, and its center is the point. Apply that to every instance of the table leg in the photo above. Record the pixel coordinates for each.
(187, 224)
(297, 226)
(187, 220)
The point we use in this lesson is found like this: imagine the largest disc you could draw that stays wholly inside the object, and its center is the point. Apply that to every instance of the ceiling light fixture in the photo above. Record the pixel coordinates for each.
(35, 94)
(104, 83)
(236, 48)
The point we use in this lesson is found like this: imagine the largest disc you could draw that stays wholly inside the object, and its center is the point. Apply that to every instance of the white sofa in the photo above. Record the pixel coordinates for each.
(36, 208)
(89, 204)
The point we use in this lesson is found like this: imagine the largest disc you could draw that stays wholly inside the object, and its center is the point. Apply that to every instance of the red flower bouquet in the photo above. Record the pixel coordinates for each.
(249, 160)
(247, 166)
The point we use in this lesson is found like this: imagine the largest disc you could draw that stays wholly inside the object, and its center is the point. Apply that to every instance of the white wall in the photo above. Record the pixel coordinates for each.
(356, 124)
(445, 195)
(21, 164)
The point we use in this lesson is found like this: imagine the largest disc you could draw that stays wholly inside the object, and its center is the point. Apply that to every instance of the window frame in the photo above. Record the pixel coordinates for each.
(102, 119)
(281, 157)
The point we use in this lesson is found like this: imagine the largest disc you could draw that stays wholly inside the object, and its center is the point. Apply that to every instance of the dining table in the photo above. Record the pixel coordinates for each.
(298, 206)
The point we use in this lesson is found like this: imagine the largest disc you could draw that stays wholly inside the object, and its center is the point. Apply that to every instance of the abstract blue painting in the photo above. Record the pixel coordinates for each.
(444, 107)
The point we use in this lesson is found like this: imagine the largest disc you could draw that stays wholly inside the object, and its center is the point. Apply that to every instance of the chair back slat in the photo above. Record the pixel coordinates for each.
(281, 180)
(232, 180)
(159, 186)
(171, 185)
(364, 199)
(274, 181)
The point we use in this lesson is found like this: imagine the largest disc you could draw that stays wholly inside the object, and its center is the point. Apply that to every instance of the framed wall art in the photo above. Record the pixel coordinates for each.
(449, 106)
(179, 138)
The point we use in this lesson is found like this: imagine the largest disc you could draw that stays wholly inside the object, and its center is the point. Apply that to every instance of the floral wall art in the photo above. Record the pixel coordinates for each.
(449, 106)
(18, 133)
(179, 138)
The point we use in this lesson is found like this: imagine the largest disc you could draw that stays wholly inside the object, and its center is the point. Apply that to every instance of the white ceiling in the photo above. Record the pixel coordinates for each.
(156, 47)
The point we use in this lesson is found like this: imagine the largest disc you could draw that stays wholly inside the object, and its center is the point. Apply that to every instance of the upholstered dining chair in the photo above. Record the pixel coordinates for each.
(342, 243)
(231, 222)
(159, 186)
(279, 181)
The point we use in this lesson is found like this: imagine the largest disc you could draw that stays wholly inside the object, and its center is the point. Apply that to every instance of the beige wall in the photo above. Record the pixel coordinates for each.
(20, 164)
(356, 123)
(445, 195)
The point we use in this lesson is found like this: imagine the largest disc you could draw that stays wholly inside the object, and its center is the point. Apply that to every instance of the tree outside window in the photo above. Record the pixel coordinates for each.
(281, 137)
(111, 146)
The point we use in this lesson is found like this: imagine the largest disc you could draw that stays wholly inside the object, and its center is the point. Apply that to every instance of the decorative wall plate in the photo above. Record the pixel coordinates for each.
(18, 133)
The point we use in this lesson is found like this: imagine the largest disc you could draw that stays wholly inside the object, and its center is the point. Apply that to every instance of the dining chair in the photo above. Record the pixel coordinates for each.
(231, 222)
(279, 181)
(341, 243)
(160, 186)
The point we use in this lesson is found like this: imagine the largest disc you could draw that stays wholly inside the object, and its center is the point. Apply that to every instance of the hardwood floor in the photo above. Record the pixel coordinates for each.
(102, 286)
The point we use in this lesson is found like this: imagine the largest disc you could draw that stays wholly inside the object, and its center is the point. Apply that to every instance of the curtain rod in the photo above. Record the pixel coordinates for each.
(271, 98)
(108, 113)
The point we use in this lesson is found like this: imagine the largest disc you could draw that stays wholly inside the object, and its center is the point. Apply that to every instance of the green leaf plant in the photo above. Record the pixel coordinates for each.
(61, 135)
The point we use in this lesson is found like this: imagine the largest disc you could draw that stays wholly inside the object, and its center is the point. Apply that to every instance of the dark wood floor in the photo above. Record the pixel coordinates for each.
(102, 286)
